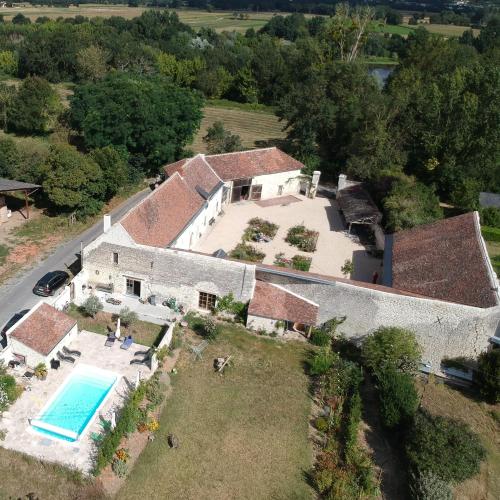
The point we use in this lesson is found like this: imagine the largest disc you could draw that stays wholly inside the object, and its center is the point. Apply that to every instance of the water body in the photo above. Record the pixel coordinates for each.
(381, 73)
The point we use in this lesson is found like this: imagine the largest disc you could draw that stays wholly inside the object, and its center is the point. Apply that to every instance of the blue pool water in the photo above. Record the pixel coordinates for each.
(74, 405)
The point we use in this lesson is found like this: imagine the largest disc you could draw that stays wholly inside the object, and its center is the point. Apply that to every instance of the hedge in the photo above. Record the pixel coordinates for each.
(491, 233)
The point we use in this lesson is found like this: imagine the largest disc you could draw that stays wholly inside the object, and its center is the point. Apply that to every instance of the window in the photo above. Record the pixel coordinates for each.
(207, 301)
(115, 258)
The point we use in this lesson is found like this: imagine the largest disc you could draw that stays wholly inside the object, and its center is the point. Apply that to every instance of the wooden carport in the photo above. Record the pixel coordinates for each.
(8, 185)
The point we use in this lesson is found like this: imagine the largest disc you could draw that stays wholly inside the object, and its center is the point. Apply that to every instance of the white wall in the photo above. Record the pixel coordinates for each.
(270, 183)
(188, 238)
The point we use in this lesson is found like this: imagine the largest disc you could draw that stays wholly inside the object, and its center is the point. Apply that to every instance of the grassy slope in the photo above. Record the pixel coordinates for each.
(442, 400)
(242, 435)
(255, 128)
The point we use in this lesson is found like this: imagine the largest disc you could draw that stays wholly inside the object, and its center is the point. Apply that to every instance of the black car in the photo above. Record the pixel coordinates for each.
(50, 283)
(12, 321)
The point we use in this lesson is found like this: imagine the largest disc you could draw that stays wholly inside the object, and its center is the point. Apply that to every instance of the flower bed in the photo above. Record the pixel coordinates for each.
(258, 227)
(302, 238)
(299, 262)
(243, 251)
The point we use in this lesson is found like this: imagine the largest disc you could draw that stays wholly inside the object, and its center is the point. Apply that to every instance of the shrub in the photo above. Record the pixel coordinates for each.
(427, 486)
(444, 447)
(398, 397)
(210, 329)
(127, 317)
(122, 454)
(320, 337)
(120, 468)
(491, 234)
(391, 347)
(321, 423)
(352, 420)
(10, 388)
(258, 225)
(348, 268)
(301, 263)
(488, 375)
(228, 304)
(92, 306)
(322, 361)
(490, 216)
(301, 237)
(243, 251)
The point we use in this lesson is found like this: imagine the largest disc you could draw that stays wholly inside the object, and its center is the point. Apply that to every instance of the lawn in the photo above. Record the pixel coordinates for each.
(242, 435)
(442, 400)
(143, 333)
(494, 251)
(256, 128)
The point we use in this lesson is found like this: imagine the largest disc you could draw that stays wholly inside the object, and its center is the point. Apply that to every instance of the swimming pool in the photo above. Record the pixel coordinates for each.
(70, 410)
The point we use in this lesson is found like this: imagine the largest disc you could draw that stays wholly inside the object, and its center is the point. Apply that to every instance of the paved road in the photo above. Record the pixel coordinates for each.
(16, 294)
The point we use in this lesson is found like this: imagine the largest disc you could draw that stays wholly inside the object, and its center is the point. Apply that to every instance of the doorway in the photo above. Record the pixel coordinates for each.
(133, 287)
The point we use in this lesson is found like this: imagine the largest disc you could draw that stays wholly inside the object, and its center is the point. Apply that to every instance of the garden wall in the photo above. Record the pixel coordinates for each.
(443, 329)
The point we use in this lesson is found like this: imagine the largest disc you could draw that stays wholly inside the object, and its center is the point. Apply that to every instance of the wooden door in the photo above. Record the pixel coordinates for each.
(256, 192)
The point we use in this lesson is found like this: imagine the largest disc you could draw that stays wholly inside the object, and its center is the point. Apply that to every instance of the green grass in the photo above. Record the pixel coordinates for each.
(242, 435)
(491, 234)
(143, 332)
(402, 30)
(256, 128)
(383, 61)
(4, 251)
(242, 106)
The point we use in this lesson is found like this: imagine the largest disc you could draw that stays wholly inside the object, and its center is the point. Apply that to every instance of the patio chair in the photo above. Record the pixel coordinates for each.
(197, 350)
(144, 361)
(110, 341)
(127, 343)
(63, 357)
(28, 376)
(71, 352)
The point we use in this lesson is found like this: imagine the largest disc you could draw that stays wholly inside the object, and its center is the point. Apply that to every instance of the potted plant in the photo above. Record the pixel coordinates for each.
(41, 371)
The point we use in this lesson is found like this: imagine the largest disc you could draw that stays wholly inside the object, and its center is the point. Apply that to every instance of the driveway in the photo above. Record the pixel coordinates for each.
(320, 214)
(16, 293)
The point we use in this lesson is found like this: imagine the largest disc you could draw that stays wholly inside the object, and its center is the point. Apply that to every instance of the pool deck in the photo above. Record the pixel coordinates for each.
(79, 455)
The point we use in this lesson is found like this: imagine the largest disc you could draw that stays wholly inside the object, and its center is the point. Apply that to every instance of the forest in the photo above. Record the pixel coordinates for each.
(430, 134)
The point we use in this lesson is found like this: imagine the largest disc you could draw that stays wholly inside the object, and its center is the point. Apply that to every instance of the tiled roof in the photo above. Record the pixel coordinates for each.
(43, 329)
(272, 301)
(196, 172)
(231, 166)
(159, 218)
(444, 260)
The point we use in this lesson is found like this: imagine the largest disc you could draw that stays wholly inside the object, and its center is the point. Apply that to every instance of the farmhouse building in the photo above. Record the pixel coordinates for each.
(438, 280)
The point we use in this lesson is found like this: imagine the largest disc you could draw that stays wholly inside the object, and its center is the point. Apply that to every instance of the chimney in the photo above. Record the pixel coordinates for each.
(106, 223)
(342, 182)
(314, 184)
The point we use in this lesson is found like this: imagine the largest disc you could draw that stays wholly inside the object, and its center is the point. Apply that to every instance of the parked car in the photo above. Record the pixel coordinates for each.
(12, 321)
(50, 283)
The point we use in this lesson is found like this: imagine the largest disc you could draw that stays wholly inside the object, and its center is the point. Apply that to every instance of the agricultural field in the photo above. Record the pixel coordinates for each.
(256, 129)
(243, 434)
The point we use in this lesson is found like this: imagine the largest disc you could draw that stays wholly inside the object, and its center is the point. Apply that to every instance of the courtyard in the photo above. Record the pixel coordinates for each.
(79, 454)
(320, 214)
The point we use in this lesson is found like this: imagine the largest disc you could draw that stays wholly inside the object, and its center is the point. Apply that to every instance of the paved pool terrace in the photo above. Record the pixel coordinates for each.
(79, 455)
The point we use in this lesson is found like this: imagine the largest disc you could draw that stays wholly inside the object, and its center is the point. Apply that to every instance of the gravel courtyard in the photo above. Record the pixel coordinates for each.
(320, 214)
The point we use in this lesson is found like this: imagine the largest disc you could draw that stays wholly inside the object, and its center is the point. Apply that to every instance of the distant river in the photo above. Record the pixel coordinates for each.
(381, 73)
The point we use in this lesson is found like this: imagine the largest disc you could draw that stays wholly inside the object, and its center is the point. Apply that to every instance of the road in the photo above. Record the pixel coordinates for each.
(16, 294)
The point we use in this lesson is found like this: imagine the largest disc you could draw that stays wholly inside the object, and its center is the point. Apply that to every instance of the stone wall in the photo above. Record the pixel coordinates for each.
(169, 272)
(443, 329)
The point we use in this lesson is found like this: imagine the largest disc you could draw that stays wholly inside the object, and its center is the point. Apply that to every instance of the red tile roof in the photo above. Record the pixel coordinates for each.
(43, 329)
(159, 218)
(196, 172)
(231, 166)
(444, 260)
(272, 301)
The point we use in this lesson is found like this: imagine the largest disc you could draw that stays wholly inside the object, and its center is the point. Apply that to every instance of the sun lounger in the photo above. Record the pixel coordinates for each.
(63, 357)
(127, 343)
(70, 352)
(144, 361)
(110, 341)
(96, 437)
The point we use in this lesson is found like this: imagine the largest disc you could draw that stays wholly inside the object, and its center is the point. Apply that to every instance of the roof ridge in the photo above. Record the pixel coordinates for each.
(292, 293)
(245, 151)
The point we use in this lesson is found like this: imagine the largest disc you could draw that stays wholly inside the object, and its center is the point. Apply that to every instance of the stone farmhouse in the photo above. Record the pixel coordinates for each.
(437, 278)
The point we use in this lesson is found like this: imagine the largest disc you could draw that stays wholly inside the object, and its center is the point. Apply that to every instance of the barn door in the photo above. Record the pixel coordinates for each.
(256, 192)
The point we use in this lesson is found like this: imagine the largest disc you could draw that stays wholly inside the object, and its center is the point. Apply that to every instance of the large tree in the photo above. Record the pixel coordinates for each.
(150, 117)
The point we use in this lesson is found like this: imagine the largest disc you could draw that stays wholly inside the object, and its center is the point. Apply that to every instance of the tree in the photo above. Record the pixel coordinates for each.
(391, 348)
(114, 167)
(7, 93)
(8, 62)
(152, 119)
(35, 107)
(410, 204)
(9, 158)
(219, 140)
(128, 317)
(92, 306)
(488, 375)
(73, 182)
(398, 397)
(444, 447)
(21, 19)
(92, 63)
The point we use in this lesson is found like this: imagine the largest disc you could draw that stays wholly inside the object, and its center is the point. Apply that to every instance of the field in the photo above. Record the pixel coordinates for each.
(220, 20)
(242, 435)
(494, 252)
(256, 129)
(442, 400)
